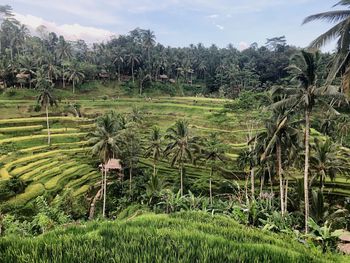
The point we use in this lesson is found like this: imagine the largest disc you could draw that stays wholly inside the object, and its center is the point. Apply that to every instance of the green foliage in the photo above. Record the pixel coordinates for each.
(132, 211)
(248, 100)
(48, 216)
(323, 235)
(184, 237)
(10, 226)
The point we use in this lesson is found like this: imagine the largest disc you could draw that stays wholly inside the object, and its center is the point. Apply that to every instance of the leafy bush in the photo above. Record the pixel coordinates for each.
(323, 236)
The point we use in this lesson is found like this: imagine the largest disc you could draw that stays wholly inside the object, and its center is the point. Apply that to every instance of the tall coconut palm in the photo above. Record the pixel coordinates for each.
(133, 58)
(45, 98)
(131, 148)
(119, 60)
(306, 96)
(154, 150)
(149, 42)
(213, 153)
(280, 137)
(181, 147)
(53, 70)
(63, 52)
(104, 145)
(341, 32)
(247, 162)
(74, 74)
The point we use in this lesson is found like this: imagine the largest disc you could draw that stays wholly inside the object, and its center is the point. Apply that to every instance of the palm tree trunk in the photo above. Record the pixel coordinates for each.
(252, 181)
(104, 191)
(286, 197)
(63, 84)
(246, 186)
(262, 182)
(210, 188)
(132, 72)
(306, 168)
(118, 72)
(73, 87)
(48, 125)
(149, 62)
(130, 178)
(181, 180)
(279, 171)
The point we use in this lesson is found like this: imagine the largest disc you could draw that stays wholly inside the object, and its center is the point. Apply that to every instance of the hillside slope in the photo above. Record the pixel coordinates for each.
(182, 237)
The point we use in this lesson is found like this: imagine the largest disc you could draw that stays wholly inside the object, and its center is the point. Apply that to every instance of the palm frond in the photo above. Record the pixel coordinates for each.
(331, 16)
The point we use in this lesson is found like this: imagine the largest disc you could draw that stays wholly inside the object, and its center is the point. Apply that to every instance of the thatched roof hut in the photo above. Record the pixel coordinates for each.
(163, 76)
(22, 76)
(112, 164)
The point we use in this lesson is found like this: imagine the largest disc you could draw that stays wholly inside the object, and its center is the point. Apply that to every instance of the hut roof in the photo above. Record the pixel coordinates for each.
(345, 236)
(22, 76)
(163, 76)
(112, 164)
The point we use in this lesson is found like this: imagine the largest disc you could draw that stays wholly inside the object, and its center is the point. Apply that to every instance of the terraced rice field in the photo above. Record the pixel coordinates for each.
(45, 169)
(67, 164)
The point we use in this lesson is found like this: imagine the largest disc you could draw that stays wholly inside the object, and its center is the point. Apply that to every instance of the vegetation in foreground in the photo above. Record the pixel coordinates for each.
(179, 237)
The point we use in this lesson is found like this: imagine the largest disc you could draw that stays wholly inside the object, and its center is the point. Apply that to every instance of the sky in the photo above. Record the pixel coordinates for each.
(178, 22)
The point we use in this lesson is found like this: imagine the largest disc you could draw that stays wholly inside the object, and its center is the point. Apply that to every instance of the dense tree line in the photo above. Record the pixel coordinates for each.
(138, 58)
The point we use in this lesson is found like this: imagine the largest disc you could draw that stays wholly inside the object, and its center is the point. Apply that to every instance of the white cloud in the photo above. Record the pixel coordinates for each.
(213, 16)
(93, 10)
(69, 31)
(243, 45)
(220, 27)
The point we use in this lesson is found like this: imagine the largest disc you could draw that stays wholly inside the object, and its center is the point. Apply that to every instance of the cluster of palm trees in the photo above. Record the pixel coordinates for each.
(116, 136)
(135, 56)
(279, 146)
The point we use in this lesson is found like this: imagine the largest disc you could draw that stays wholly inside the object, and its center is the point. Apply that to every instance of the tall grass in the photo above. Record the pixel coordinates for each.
(186, 237)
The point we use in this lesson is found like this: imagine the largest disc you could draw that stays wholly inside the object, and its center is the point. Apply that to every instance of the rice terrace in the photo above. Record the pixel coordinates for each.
(120, 146)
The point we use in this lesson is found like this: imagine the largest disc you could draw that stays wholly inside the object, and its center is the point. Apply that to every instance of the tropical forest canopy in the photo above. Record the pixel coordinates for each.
(137, 56)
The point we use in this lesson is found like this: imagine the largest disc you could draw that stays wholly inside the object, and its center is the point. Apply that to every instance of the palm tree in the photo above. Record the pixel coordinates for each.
(306, 96)
(341, 32)
(280, 137)
(63, 52)
(45, 98)
(104, 144)
(247, 161)
(136, 115)
(119, 60)
(214, 151)
(149, 42)
(133, 58)
(181, 146)
(27, 65)
(326, 161)
(343, 127)
(131, 149)
(154, 149)
(52, 69)
(74, 74)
